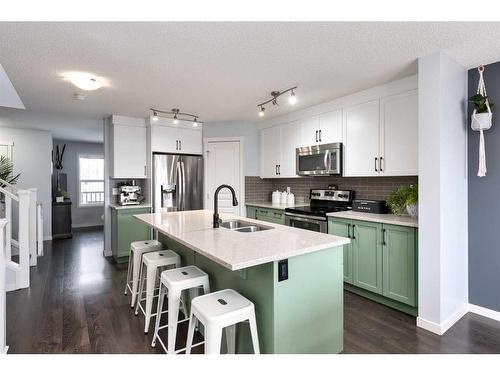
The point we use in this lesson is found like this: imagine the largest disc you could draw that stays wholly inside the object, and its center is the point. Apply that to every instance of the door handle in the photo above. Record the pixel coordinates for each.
(349, 230)
(380, 164)
(316, 136)
(320, 135)
(353, 228)
(376, 170)
(383, 237)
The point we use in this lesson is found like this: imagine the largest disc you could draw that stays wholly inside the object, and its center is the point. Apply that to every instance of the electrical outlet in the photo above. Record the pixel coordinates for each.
(283, 270)
(115, 191)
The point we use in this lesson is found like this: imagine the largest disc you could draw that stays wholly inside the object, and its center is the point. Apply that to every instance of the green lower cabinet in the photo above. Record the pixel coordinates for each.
(126, 229)
(380, 262)
(342, 228)
(266, 214)
(367, 255)
(399, 263)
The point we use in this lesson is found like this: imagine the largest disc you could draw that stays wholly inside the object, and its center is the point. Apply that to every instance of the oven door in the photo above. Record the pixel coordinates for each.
(319, 160)
(314, 223)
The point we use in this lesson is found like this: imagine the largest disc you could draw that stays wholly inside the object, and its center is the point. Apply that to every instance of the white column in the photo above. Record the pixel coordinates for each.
(32, 227)
(443, 248)
(23, 280)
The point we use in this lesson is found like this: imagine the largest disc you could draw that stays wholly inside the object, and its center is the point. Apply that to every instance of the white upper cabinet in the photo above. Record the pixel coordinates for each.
(270, 152)
(128, 151)
(289, 141)
(176, 140)
(330, 127)
(399, 134)
(361, 141)
(309, 131)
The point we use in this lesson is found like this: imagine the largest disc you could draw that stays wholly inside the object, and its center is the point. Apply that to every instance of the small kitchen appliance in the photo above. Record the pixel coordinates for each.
(323, 201)
(130, 195)
(370, 206)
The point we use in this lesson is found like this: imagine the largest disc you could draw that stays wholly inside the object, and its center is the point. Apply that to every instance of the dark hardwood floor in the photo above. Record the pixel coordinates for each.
(76, 305)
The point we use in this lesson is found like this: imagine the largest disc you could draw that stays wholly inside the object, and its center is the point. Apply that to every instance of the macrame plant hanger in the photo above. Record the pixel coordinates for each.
(481, 124)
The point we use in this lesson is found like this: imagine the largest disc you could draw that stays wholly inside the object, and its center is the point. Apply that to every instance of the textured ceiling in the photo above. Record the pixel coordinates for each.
(222, 70)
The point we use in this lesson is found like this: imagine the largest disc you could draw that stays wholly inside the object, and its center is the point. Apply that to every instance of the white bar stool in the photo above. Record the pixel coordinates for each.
(175, 282)
(138, 248)
(219, 310)
(153, 262)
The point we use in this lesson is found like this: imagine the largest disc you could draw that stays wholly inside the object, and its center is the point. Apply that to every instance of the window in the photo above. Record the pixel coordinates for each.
(91, 180)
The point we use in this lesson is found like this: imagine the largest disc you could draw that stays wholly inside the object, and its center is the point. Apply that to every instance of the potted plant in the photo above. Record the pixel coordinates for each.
(6, 169)
(404, 200)
(481, 118)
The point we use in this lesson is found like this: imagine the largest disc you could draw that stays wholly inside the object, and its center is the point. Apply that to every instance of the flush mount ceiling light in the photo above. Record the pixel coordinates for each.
(274, 99)
(85, 81)
(176, 116)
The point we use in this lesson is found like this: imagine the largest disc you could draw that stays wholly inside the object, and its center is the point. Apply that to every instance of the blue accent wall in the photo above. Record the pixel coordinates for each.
(484, 201)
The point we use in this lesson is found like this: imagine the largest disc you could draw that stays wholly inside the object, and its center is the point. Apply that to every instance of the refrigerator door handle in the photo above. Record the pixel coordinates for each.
(183, 181)
(178, 173)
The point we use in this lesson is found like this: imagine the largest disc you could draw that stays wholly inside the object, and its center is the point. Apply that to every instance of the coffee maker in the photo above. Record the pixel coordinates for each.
(130, 195)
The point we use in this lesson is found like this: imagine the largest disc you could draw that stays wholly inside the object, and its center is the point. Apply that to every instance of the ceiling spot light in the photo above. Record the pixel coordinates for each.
(274, 99)
(84, 81)
(176, 116)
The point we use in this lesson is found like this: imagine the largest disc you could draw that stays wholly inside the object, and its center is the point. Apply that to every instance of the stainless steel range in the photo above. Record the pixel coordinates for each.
(323, 201)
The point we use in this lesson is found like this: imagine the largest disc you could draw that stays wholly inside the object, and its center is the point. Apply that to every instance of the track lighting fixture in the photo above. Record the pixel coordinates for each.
(177, 116)
(274, 99)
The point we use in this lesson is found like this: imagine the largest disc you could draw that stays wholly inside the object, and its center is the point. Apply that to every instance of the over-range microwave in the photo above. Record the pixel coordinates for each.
(319, 160)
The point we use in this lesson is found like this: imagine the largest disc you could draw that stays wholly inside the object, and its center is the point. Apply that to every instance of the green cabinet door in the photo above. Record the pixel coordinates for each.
(342, 227)
(399, 263)
(127, 229)
(251, 212)
(367, 255)
(270, 215)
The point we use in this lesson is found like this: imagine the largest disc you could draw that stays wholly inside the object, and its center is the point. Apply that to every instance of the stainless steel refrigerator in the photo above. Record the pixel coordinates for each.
(177, 182)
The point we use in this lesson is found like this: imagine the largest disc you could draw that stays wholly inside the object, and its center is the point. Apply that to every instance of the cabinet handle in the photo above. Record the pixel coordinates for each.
(279, 169)
(353, 228)
(383, 236)
(376, 170)
(349, 230)
(380, 164)
(320, 135)
(180, 145)
(316, 136)
(177, 145)
(276, 169)
(145, 170)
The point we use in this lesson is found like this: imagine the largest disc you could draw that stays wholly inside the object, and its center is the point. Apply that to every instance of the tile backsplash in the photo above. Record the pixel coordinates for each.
(258, 190)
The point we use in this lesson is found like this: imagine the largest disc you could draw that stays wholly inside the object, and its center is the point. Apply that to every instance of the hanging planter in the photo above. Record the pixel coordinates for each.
(481, 119)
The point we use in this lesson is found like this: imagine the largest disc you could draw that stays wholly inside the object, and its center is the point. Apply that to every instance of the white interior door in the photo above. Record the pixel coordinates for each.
(223, 167)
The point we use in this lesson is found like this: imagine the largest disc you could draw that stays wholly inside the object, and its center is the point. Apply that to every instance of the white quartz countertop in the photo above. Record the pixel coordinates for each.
(406, 221)
(275, 206)
(236, 250)
(117, 206)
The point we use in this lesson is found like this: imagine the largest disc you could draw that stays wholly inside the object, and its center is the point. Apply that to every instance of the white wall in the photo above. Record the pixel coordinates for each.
(443, 264)
(251, 144)
(33, 159)
(80, 216)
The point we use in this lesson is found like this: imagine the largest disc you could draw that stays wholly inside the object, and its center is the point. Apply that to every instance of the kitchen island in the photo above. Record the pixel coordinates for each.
(293, 276)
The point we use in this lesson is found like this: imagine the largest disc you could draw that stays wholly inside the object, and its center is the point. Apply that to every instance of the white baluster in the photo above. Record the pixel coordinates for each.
(24, 239)
(8, 227)
(32, 227)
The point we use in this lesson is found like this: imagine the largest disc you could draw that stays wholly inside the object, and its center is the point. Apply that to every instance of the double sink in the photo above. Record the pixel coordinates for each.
(243, 226)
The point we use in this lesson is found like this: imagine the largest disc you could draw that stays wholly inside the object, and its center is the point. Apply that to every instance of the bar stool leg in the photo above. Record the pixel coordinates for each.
(129, 270)
(174, 300)
(137, 264)
(193, 321)
(231, 339)
(161, 299)
(255, 336)
(141, 289)
(213, 337)
(150, 286)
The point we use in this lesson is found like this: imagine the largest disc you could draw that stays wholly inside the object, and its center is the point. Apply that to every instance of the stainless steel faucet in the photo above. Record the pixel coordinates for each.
(217, 220)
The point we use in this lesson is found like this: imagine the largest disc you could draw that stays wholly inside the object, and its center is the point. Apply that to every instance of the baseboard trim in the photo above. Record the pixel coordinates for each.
(47, 238)
(440, 329)
(88, 225)
(6, 349)
(483, 311)
(107, 253)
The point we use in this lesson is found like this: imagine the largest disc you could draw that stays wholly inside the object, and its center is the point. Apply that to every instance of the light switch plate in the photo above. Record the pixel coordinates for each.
(115, 191)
